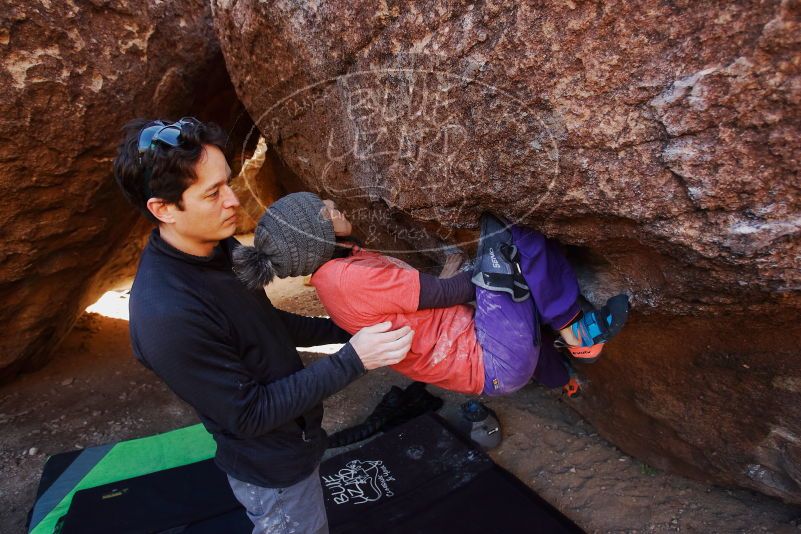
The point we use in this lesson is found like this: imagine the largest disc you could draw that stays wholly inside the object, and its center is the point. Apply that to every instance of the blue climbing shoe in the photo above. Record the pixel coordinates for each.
(595, 328)
(497, 265)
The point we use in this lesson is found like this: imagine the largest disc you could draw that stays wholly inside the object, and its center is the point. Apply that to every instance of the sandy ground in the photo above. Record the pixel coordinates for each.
(94, 392)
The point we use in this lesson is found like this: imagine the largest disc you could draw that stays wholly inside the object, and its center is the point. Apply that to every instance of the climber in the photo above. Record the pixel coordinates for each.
(523, 280)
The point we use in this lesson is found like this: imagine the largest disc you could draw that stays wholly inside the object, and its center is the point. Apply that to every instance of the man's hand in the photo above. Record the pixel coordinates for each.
(378, 346)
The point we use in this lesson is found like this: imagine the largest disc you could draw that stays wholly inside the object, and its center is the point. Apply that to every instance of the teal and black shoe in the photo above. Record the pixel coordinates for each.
(596, 327)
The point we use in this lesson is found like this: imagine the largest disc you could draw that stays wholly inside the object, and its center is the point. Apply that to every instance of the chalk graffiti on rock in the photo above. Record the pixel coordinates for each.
(408, 121)
(416, 143)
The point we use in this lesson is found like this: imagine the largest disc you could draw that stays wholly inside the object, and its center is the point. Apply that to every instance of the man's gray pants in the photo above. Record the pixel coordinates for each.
(297, 509)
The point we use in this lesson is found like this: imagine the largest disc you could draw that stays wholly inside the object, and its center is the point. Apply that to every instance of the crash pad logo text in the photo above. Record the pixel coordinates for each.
(359, 482)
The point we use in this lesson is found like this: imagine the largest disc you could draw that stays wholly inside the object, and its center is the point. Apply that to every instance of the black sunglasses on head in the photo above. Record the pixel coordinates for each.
(164, 134)
(161, 133)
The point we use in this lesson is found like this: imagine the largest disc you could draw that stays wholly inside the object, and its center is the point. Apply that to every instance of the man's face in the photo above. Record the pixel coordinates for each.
(209, 205)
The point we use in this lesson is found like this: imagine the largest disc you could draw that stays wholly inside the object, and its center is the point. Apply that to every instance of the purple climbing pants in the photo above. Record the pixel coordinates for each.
(509, 331)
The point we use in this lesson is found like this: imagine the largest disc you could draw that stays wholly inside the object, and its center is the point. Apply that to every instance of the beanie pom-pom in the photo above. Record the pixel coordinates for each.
(252, 267)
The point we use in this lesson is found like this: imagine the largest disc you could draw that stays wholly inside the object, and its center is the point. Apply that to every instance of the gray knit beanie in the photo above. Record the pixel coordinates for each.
(292, 239)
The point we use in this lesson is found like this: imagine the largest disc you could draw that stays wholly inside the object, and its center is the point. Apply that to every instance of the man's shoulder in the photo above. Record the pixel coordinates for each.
(162, 287)
(157, 276)
(168, 316)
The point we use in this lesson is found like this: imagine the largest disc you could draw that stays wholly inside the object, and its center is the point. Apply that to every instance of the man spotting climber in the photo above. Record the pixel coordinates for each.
(224, 348)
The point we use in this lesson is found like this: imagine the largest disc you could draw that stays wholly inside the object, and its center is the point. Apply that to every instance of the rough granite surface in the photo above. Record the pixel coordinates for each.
(71, 74)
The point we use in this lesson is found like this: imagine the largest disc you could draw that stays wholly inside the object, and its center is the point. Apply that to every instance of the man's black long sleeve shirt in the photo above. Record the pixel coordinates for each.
(231, 355)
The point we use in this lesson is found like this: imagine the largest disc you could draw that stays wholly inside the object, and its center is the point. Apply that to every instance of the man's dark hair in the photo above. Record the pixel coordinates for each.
(172, 170)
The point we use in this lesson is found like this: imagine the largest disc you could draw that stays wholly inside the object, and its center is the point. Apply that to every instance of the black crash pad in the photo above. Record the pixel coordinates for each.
(420, 477)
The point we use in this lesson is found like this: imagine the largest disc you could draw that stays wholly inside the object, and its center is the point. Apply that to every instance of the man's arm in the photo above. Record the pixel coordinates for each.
(206, 372)
(310, 331)
(198, 362)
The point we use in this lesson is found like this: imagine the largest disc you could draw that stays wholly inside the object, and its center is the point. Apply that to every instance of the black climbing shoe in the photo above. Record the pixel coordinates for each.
(497, 265)
(417, 400)
(396, 407)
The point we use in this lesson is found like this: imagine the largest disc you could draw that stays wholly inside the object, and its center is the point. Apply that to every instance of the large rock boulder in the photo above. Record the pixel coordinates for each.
(71, 75)
(661, 141)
